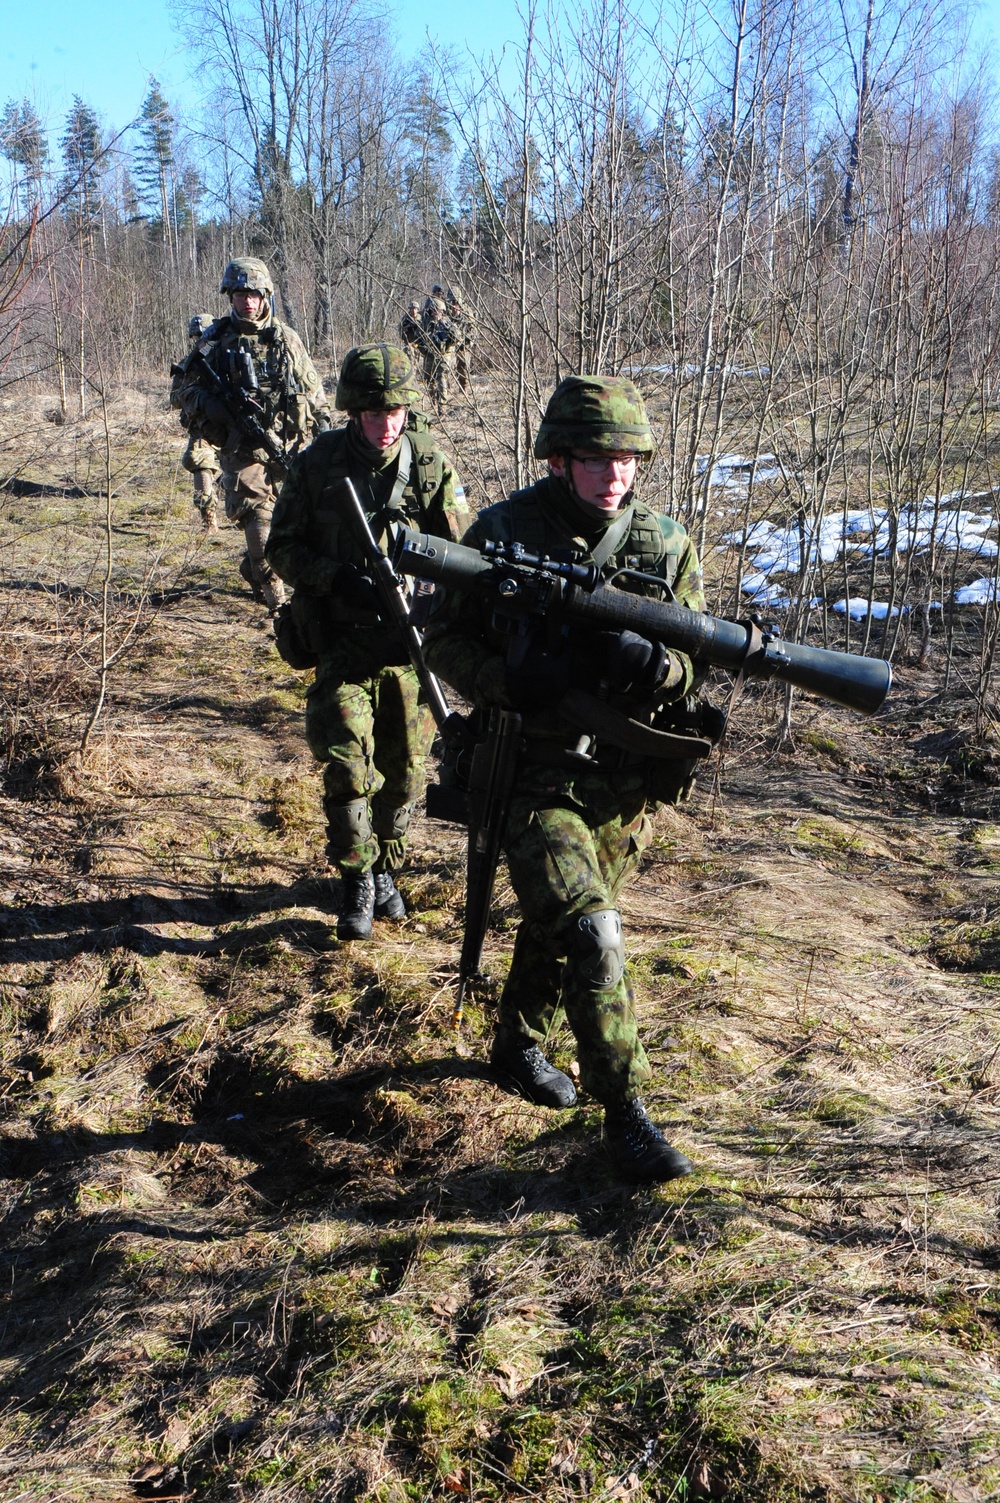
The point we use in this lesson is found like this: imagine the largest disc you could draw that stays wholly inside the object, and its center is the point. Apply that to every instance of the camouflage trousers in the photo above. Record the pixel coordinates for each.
(571, 843)
(251, 492)
(438, 366)
(366, 722)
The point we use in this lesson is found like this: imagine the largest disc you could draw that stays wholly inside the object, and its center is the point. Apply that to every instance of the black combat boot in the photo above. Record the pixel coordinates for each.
(388, 903)
(638, 1149)
(518, 1060)
(357, 908)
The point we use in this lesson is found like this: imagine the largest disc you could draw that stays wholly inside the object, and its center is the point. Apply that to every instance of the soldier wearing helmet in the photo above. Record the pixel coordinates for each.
(411, 333)
(266, 363)
(200, 458)
(438, 345)
(461, 323)
(577, 826)
(365, 719)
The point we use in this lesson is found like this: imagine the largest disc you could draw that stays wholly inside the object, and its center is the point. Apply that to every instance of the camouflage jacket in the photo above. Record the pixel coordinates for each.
(293, 405)
(464, 647)
(311, 537)
(411, 331)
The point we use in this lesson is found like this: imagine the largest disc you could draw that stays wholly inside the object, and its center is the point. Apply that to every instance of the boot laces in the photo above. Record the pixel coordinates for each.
(639, 1131)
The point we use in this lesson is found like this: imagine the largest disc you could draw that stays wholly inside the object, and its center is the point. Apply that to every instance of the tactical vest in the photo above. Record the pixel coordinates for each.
(652, 544)
(425, 477)
(275, 377)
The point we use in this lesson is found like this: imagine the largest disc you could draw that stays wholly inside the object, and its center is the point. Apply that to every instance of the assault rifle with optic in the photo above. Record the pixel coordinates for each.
(240, 404)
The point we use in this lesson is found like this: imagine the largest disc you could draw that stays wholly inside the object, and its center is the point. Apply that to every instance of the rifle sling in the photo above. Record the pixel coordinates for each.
(608, 545)
(612, 726)
(392, 511)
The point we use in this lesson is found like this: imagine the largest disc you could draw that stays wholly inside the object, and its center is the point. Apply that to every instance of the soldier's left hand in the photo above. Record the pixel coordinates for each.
(625, 658)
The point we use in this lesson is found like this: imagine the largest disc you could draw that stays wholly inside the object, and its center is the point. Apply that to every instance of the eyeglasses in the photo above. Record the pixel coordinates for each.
(597, 464)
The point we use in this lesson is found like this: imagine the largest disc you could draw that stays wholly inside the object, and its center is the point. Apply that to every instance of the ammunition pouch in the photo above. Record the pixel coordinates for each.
(288, 639)
(669, 780)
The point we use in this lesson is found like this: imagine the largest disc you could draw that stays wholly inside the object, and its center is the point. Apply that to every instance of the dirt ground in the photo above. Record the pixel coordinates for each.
(267, 1235)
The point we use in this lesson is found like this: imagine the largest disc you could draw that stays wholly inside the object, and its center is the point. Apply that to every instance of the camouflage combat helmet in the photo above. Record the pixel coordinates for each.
(247, 274)
(198, 325)
(602, 413)
(376, 376)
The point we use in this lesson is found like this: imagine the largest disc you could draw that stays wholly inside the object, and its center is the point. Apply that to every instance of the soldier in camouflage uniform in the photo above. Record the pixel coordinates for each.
(411, 331)
(439, 342)
(250, 350)
(576, 829)
(200, 458)
(461, 323)
(365, 719)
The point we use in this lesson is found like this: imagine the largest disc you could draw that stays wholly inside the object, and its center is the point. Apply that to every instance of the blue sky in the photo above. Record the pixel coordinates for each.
(106, 50)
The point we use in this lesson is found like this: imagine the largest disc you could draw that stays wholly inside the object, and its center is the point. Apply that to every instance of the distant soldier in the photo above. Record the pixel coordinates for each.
(366, 720)
(200, 458)
(461, 325)
(260, 367)
(411, 333)
(439, 341)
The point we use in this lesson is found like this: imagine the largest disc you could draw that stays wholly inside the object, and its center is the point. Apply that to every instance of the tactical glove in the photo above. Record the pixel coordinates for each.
(625, 659)
(354, 585)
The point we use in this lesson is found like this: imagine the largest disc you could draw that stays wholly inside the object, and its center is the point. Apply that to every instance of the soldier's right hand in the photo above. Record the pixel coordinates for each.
(355, 586)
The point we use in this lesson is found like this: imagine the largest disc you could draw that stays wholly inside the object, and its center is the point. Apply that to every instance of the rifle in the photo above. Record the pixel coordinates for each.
(491, 782)
(526, 585)
(393, 606)
(240, 405)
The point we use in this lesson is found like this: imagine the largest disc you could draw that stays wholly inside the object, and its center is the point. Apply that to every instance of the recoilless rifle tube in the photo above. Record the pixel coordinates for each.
(523, 583)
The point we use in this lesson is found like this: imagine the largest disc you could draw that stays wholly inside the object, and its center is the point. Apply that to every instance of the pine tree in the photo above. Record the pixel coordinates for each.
(82, 150)
(155, 160)
(22, 142)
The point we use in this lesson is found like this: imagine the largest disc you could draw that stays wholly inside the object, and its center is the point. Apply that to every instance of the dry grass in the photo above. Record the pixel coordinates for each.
(267, 1237)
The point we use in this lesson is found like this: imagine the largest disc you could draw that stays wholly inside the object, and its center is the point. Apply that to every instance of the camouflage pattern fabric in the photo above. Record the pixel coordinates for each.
(293, 408)
(366, 723)
(364, 718)
(465, 650)
(376, 377)
(571, 843)
(464, 338)
(247, 274)
(599, 413)
(294, 405)
(411, 333)
(573, 836)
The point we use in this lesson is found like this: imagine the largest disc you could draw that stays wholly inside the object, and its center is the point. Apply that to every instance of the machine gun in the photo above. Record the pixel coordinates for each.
(239, 402)
(528, 585)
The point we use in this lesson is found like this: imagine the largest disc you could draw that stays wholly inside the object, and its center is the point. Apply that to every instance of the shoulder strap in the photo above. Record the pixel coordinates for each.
(608, 546)
(404, 466)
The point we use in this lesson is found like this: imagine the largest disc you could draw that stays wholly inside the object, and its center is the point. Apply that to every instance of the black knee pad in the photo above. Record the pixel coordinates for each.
(597, 948)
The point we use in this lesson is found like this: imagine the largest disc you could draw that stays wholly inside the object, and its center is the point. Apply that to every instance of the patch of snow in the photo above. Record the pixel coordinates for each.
(859, 609)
